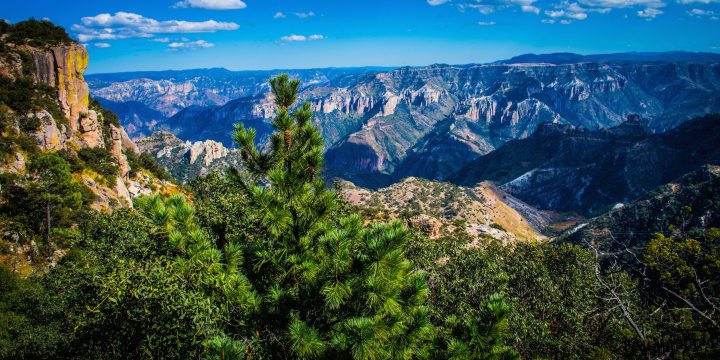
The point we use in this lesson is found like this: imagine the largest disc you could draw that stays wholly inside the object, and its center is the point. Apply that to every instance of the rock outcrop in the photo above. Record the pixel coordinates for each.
(187, 160)
(62, 67)
(73, 124)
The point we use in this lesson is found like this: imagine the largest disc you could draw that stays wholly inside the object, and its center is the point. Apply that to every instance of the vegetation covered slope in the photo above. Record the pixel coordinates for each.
(61, 154)
(442, 209)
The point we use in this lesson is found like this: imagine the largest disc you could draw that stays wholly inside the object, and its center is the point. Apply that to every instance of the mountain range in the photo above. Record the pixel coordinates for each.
(382, 125)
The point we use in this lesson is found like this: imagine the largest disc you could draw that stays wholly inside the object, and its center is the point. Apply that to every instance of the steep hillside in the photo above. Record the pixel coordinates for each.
(444, 210)
(692, 201)
(561, 167)
(61, 153)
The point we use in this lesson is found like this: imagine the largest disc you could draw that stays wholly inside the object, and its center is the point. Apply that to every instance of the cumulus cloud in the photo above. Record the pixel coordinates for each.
(530, 9)
(706, 2)
(617, 4)
(161, 40)
(279, 15)
(649, 13)
(703, 13)
(102, 45)
(300, 38)
(486, 23)
(305, 15)
(199, 44)
(491, 6)
(124, 25)
(568, 14)
(212, 4)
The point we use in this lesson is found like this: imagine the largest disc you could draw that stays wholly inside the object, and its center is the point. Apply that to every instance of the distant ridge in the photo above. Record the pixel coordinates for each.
(572, 58)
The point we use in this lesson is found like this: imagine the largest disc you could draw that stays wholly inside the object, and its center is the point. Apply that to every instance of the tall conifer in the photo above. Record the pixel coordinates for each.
(331, 287)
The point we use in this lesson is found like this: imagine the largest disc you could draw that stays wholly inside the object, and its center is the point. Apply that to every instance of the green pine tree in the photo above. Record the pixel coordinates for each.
(54, 193)
(331, 288)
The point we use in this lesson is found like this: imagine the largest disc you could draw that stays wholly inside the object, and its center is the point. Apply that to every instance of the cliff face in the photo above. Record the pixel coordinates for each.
(63, 68)
(77, 125)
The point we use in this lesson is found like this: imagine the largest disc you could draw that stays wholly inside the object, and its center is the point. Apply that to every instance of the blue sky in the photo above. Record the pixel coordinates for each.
(128, 35)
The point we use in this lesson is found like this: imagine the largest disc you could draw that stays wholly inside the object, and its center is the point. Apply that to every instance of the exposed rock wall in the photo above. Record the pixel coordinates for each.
(62, 68)
(187, 160)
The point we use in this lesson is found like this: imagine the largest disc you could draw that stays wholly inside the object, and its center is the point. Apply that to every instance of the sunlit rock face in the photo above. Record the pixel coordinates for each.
(73, 125)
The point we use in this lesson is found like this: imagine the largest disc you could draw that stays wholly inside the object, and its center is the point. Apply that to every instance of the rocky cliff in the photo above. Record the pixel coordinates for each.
(187, 160)
(64, 118)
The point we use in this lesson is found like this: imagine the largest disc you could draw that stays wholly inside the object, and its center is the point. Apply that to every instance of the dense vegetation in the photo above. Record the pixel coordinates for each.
(37, 33)
(270, 263)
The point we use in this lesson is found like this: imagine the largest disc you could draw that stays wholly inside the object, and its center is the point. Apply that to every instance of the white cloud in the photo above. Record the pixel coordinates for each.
(568, 10)
(212, 4)
(618, 4)
(709, 14)
(199, 44)
(123, 25)
(530, 9)
(297, 38)
(701, 12)
(547, 21)
(102, 45)
(304, 15)
(490, 6)
(649, 13)
(568, 15)
(279, 15)
(161, 40)
(486, 23)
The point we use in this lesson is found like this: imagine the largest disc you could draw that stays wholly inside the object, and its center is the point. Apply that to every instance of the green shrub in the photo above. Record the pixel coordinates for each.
(37, 33)
(101, 161)
(497, 226)
(107, 116)
(147, 162)
(29, 123)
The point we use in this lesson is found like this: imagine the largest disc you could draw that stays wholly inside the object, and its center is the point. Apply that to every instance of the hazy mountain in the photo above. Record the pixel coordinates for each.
(571, 58)
(171, 91)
